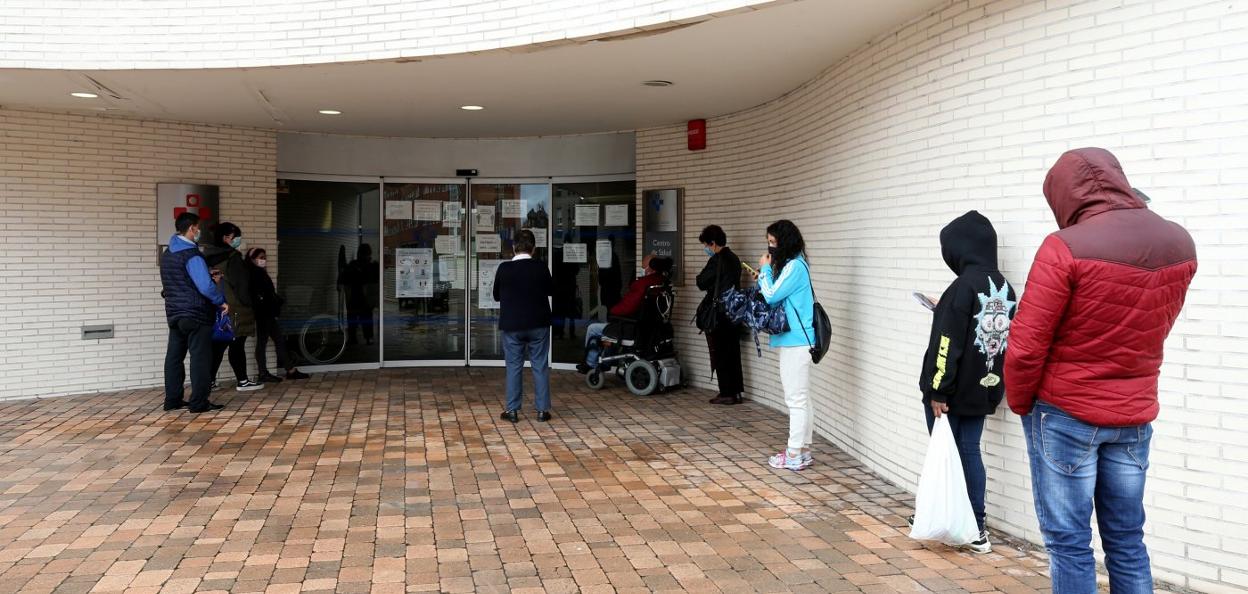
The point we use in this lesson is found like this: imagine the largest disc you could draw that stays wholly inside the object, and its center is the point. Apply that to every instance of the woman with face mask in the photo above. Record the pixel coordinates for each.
(784, 279)
(236, 284)
(723, 338)
(267, 306)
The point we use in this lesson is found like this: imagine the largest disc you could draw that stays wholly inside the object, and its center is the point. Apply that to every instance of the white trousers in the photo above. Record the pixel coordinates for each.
(795, 378)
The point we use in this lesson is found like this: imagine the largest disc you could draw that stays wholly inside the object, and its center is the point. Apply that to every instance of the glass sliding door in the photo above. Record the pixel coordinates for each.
(500, 209)
(327, 231)
(424, 266)
(594, 257)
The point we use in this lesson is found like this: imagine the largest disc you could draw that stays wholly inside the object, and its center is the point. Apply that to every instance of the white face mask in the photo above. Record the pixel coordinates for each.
(262, 263)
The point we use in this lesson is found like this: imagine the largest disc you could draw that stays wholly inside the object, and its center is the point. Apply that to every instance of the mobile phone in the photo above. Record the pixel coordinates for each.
(748, 269)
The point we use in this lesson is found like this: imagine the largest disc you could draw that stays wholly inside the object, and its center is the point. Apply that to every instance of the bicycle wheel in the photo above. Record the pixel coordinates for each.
(323, 339)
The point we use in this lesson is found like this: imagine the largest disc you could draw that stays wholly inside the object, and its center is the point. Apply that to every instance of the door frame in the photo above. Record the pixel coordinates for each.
(469, 233)
(462, 362)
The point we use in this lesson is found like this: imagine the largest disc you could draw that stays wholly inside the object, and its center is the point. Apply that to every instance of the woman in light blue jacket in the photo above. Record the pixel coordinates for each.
(784, 278)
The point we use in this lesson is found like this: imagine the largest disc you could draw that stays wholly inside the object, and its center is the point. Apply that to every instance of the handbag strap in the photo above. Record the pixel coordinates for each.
(719, 268)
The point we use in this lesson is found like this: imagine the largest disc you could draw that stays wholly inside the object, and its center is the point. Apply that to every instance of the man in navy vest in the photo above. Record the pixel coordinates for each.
(523, 288)
(191, 302)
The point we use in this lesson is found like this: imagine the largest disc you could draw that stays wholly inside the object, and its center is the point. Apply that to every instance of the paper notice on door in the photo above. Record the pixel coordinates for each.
(427, 210)
(399, 210)
(485, 218)
(575, 253)
(602, 252)
(539, 237)
(512, 209)
(617, 215)
(450, 213)
(587, 216)
(489, 244)
(451, 270)
(413, 272)
(486, 270)
(447, 244)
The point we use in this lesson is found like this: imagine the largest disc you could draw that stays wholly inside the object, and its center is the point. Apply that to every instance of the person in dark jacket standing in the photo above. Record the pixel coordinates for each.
(1085, 354)
(523, 288)
(961, 377)
(267, 306)
(236, 284)
(191, 302)
(722, 272)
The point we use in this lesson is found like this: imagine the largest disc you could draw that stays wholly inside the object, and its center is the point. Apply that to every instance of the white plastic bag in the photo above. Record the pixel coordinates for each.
(942, 509)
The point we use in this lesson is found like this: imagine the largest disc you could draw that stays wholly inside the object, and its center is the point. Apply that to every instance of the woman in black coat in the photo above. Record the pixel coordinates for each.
(722, 271)
(267, 305)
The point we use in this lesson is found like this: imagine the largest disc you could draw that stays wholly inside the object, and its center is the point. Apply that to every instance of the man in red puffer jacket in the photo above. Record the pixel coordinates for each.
(1082, 366)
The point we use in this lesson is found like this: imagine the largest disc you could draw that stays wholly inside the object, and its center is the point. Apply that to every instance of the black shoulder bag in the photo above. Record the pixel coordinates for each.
(706, 318)
(821, 325)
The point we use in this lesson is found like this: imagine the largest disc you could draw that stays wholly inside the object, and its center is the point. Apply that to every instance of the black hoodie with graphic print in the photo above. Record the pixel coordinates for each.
(971, 323)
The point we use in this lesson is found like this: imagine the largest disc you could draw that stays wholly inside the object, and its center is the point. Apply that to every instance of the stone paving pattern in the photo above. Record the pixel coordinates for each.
(405, 480)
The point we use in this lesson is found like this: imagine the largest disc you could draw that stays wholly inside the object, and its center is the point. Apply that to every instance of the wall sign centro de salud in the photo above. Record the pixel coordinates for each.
(173, 199)
(664, 223)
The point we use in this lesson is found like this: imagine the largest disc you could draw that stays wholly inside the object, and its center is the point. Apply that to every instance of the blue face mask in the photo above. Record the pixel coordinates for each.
(237, 242)
(709, 251)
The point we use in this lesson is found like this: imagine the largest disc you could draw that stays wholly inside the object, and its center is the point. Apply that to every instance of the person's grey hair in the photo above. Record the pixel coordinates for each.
(524, 242)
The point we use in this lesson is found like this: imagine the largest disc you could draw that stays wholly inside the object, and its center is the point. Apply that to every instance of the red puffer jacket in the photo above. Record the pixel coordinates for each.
(1101, 298)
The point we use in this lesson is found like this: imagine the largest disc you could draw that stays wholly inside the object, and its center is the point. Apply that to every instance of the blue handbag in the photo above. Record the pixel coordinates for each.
(748, 307)
(223, 328)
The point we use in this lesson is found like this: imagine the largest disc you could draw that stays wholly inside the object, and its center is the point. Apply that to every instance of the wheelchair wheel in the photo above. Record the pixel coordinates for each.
(596, 380)
(323, 339)
(642, 377)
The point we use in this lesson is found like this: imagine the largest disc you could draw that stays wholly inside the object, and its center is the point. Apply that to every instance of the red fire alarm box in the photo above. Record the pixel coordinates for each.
(697, 135)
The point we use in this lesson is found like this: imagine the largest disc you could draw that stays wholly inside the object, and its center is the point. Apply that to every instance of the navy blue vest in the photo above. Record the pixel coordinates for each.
(182, 299)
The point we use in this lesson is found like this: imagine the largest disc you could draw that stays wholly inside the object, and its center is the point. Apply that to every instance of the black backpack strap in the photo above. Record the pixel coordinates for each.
(814, 300)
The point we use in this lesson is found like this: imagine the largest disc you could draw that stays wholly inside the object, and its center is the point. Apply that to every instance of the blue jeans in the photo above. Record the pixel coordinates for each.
(593, 343)
(1075, 466)
(967, 432)
(534, 345)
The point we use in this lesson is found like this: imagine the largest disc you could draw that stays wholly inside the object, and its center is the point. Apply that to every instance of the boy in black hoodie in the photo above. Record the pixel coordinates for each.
(962, 369)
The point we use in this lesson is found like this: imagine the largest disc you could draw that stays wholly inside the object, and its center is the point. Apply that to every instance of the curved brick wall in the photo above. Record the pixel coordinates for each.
(80, 34)
(966, 109)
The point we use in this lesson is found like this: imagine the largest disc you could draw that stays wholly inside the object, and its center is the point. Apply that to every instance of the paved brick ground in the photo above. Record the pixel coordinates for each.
(405, 480)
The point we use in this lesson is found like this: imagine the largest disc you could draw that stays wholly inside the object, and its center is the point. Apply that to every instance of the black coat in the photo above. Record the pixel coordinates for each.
(264, 298)
(971, 323)
(725, 266)
(523, 288)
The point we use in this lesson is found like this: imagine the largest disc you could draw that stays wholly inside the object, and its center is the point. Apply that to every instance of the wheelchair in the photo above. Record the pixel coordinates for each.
(641, 350)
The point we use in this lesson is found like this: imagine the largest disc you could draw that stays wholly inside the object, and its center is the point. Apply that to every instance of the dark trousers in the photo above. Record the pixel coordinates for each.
(967, 432)
(188, 335)
(267, 328)
(238, 357)
(359, 316)
(725, 346)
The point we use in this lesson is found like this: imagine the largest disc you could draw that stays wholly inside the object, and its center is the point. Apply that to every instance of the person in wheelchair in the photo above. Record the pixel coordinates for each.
(624, 314)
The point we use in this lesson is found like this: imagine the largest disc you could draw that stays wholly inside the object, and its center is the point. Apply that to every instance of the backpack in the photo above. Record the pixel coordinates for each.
(820, 324)
(747, 307)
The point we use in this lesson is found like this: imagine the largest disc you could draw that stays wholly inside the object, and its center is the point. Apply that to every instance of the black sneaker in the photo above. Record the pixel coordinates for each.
(248, 386)
(980, 546)
(267, 378)
(295, 374)
(211, 406)
(583, 368)
(214, 386)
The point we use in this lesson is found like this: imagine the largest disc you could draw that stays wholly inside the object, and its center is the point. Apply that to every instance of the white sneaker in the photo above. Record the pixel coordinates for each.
(980, 546)
(247, 386)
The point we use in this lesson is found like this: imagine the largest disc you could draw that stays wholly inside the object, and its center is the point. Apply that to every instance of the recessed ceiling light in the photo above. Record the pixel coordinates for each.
(330, 112)
(471, 107)
(83, 95)
(657, 83)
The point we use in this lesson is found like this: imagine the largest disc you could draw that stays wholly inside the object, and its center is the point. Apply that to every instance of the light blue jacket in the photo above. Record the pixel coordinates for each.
(792, 288)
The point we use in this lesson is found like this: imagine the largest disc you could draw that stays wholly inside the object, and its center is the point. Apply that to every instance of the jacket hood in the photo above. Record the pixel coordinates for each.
(179, 244)
(1086, 182)
(967, 241)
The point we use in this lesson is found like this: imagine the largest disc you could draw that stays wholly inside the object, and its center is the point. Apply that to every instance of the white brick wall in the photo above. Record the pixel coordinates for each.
(78, 245)
(87, 34)
(967, 108)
